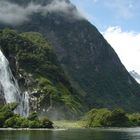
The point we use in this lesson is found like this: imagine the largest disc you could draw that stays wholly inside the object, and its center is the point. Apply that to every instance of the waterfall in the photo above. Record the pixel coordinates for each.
(12, 93)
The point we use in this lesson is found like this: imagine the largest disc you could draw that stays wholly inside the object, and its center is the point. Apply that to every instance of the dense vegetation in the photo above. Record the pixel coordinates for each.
(9, 119)
(91, 64)
(107, 118)
(35, 65)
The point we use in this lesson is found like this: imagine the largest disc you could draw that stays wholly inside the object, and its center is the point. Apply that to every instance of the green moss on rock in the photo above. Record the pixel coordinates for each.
(32, 59)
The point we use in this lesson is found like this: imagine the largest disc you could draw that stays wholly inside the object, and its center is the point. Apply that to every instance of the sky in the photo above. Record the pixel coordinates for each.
(119, 22)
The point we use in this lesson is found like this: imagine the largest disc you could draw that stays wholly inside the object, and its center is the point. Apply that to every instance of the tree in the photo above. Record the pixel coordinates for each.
(118, 118)
(46, 123)
(33, 116)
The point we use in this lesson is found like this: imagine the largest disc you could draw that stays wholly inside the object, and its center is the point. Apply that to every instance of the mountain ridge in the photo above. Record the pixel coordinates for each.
(93, 67)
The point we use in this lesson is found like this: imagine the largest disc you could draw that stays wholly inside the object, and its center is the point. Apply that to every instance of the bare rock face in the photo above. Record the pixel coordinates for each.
(2, 99)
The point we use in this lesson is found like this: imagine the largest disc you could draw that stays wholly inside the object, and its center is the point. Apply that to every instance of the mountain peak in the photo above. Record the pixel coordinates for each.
(20, 11)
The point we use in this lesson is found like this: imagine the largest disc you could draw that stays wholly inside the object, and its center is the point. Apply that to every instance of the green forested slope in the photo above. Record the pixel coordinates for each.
(37, 69)
(90, 63)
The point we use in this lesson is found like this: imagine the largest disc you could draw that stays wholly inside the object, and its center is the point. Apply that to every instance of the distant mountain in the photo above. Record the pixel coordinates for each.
(90, 63)
(135, 75)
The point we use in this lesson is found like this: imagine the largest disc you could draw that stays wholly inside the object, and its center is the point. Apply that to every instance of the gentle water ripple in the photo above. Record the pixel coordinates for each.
(73, 134)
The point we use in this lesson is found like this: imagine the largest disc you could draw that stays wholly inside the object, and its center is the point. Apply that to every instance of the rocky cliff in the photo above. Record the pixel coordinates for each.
(91, 64)
(37, 70)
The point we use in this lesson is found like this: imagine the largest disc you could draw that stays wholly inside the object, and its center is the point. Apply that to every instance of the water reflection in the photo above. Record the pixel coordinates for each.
(23, 135)
(134, 134)
(74, 134)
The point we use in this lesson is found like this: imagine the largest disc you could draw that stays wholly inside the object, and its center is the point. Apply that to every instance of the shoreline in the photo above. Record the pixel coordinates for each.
(65, 129)
(64, 125)
(68, 124)
(32, 129)
(58, 126)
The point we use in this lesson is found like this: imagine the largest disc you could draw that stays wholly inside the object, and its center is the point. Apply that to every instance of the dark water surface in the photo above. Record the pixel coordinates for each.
(72, 134)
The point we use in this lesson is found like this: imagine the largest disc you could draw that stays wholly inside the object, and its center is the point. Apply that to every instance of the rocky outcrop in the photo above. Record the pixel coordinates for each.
(38, 73)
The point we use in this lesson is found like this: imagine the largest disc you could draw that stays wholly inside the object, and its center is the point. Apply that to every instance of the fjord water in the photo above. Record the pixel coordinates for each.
(10, 88)
(73, 134)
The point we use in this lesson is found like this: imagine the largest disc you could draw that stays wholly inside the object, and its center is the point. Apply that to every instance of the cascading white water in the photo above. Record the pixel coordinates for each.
(11, 89)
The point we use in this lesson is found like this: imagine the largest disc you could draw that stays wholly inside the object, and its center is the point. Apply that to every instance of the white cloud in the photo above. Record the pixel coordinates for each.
(12, 13)
(84, 9)
(127, 46)
(64, 7)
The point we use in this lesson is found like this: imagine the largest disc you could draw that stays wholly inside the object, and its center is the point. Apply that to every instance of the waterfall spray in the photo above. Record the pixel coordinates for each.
(12, 93)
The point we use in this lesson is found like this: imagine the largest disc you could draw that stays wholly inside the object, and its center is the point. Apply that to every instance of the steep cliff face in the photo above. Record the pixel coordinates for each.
(2, 99)
(37, 70)
(91, 64)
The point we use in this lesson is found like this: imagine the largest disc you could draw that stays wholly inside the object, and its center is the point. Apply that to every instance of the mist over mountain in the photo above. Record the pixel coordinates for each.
(90, 63)
(14, 12)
